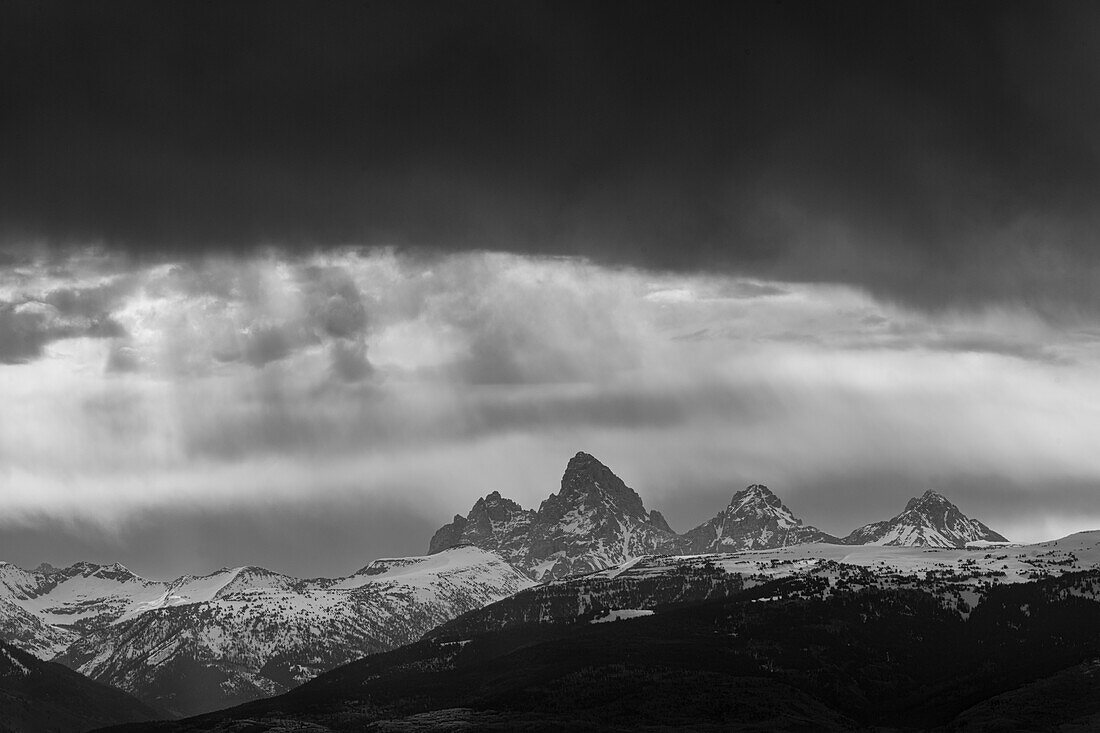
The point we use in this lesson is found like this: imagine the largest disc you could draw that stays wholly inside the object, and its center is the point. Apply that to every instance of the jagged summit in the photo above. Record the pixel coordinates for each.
(593, 521)
(928, 500)
(758, 500)
(586, 479)
(114, 571)
(494, 523)
(755, 519)
(928, 520)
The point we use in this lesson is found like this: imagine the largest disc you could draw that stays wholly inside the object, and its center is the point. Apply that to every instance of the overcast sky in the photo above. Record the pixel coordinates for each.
(291, 284)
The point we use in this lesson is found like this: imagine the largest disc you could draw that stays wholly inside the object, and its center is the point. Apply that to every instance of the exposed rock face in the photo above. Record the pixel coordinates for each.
(930, 520)
(595, 521)
(755, 519)
(494, 523)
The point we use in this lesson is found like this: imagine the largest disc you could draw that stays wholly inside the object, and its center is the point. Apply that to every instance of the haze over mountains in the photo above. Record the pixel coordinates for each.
(596, 521)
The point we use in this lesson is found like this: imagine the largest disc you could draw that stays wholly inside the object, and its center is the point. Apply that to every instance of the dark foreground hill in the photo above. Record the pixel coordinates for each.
(46, 697)
(777, 657)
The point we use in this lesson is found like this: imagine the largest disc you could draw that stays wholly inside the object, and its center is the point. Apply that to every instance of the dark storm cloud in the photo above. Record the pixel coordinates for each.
(349, 361)
(934, 152)
(89, 302)
(23, 333)
(266, 343)
(28, 325)
(335, 303)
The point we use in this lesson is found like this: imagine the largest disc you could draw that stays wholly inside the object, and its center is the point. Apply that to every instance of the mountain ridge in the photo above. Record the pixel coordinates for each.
(250, 631)
(751, 641)
(200, 642)
(546, 543)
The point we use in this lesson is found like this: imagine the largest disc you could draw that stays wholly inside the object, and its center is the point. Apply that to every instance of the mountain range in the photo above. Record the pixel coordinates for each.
(199, 643)
(202, 642)
(597, 521)
(818, 637)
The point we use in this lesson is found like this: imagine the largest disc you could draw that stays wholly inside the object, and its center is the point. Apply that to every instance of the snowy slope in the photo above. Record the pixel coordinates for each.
(202, 642)
(957, 578)
(960, 577)
(930, 520)
(1018, 563)
(30, 633)
(755, 519)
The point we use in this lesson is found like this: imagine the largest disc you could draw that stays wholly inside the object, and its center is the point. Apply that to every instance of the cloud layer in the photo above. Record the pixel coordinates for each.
(939, 154)
(411, 384)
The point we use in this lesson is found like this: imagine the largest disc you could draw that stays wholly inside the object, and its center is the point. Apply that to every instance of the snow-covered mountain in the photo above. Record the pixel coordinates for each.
(29, 632)
(958, 577)
(594, 521)
(755, 519)
(86, 597)
(597, 521)
(202, 642)
(930, 520)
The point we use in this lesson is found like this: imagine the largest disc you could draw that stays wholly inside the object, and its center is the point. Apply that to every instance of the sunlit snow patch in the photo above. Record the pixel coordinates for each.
(620, 614)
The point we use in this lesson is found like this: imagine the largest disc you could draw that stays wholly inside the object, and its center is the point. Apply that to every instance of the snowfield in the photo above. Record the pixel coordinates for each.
(257, 631)
(620, 614)
(959, 576)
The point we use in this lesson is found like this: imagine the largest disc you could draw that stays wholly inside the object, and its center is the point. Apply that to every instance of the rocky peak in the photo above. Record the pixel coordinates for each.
(593, 522)
(115, 571)
(755, 519)
(758, 500)
(586, 478)
(88, 569)
(495, 507)
(929, 500)
(928, 520)
(492, 524)
(659, 522)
